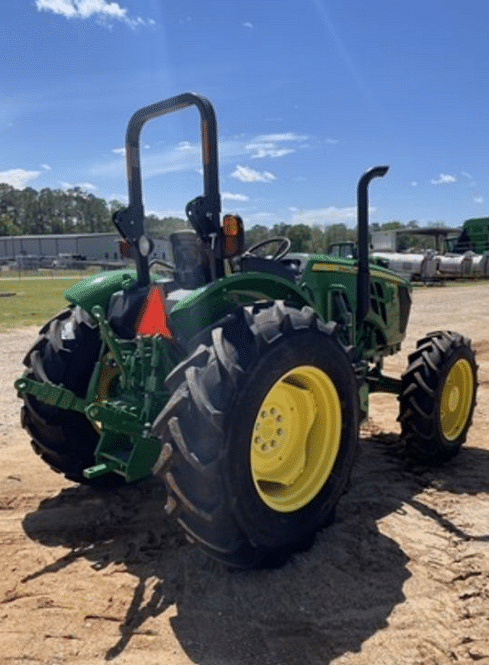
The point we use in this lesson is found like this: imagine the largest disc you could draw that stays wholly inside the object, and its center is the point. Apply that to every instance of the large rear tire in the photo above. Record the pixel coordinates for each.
(260, 435)
(65, 353)
(437, 397)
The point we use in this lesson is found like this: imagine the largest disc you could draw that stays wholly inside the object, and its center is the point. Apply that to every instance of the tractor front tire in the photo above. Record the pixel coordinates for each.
(65, 353)
(259, 436)
(437, 397)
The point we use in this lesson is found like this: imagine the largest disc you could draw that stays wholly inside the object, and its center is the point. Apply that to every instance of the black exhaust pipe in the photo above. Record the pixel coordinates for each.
(363, 277)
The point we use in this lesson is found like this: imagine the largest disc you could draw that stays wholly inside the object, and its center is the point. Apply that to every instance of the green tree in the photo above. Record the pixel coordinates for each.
(257, 233)
(317, 242)
(163, 228)
(299, 236)
(8, 227)
(339, 233)
(280, 229)
(97, 214)
(390, 226)
(9, 205)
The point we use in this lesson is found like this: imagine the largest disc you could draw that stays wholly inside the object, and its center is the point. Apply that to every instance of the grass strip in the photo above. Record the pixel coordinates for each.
(32, 301)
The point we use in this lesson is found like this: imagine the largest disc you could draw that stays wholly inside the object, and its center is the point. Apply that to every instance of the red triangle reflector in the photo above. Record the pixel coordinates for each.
(152, 318)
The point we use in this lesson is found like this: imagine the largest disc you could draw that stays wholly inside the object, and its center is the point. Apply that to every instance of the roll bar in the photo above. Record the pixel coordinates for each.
(203, 212)
(363, 277)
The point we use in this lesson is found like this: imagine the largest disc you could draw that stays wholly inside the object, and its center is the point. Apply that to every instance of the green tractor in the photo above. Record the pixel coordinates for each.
(239, 379)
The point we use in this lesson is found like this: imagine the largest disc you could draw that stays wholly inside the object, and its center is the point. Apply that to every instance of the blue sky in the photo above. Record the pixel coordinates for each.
(308, 94)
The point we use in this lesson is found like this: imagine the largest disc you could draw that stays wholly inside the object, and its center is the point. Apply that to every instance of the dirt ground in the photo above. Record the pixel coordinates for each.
(402, 577)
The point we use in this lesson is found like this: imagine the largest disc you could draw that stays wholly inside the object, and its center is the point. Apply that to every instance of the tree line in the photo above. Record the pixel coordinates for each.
(303, 238)
(319, 238)
(58, 211)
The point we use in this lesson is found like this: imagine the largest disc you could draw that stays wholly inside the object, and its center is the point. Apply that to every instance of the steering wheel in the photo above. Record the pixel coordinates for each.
(284, 245)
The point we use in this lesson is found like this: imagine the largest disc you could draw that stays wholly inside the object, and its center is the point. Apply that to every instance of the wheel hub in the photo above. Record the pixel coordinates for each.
(286, 415)
(268, 426)
(295, 438)
(456, 399)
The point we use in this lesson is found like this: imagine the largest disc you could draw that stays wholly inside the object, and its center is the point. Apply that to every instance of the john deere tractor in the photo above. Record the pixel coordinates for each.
(241, 377)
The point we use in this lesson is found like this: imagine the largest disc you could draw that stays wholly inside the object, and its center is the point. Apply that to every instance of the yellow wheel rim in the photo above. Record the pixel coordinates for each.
(456, 399)
(295, 438)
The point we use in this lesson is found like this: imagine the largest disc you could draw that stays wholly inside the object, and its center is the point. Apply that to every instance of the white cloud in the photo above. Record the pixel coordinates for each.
(472, 183)
(246, 174)
(478, 199)
(46, 167)
(185, 145)
(228, 196)
(284, 136)
(18, 178)
(101, 10)
(182, 157)
(414, 183)
(81, 185)
(187, 156)
(248, 25)
(325, 215)
(262, 150)
(266, 145)
(64, 7)
(444, 178)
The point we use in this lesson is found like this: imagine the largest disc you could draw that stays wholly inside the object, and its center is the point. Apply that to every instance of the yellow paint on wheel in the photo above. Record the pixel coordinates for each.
(456, 399)
(109, 371)
(296, 438)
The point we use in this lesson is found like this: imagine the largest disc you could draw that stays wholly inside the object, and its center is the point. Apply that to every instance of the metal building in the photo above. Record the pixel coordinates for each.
(88, 246)
(93, 246)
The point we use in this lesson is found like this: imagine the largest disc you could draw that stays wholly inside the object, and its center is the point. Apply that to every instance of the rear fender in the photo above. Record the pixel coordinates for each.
(206, 305)
(97, 289)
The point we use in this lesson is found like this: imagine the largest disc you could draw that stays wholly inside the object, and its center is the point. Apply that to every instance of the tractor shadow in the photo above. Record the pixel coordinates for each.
(320, 605)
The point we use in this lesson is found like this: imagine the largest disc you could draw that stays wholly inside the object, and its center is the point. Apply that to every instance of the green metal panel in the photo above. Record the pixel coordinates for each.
(205, 305)
(97, 289)
(477, 231)
(380, 332)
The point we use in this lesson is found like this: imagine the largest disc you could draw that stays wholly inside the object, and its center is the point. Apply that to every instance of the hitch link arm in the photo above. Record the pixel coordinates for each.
(52, 394)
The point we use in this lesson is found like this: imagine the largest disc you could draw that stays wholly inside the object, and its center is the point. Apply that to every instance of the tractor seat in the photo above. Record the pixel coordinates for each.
(192, 268)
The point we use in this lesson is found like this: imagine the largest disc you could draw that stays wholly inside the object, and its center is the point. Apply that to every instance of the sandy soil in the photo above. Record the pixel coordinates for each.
(402, 577)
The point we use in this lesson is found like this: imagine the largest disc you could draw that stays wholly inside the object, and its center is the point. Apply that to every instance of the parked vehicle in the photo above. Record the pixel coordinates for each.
(239, 380)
